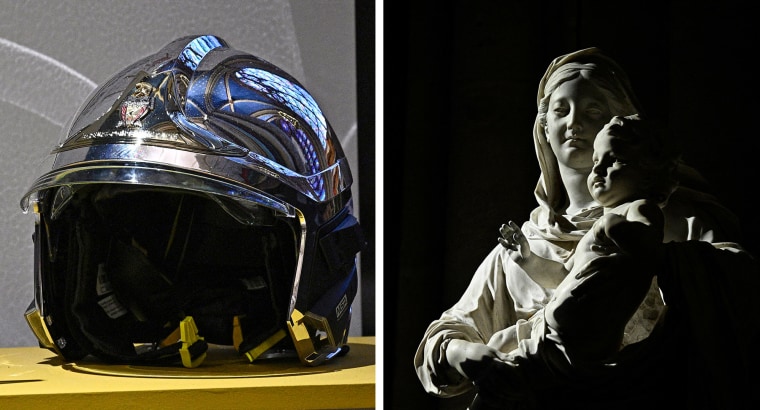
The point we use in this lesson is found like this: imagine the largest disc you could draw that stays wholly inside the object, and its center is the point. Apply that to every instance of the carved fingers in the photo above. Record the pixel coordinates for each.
(513, 239)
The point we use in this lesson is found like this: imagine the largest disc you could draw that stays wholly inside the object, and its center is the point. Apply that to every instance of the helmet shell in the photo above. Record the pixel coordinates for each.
(254, 152)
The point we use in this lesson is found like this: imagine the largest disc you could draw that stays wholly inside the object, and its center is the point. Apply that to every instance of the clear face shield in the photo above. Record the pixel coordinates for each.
(318, 333)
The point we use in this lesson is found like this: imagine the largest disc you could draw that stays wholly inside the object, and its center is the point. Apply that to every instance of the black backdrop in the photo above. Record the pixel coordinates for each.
(460, 80)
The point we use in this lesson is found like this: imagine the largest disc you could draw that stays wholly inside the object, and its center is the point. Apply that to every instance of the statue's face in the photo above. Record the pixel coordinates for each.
(616, 176)
(577, 111)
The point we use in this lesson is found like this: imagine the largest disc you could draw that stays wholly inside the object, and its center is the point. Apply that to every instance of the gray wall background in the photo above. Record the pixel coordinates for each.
(54, 53)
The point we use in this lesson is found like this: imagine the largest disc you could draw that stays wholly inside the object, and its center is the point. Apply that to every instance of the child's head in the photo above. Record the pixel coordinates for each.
(632, 160)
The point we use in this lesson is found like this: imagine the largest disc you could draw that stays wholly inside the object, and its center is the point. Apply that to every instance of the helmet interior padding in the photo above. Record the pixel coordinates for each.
(146, 258)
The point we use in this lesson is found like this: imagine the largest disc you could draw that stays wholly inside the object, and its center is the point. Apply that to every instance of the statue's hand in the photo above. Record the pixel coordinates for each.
(513, 239)
(502, 385)
(471, 359)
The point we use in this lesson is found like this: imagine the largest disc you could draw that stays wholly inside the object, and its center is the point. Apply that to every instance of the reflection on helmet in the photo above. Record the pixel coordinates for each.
(199, 196)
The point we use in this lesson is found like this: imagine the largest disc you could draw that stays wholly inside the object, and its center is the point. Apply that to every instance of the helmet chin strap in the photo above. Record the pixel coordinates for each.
(141, 303)
(122, 306)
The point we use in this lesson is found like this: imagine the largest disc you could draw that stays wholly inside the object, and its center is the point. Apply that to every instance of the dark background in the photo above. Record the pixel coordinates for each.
(460, 82)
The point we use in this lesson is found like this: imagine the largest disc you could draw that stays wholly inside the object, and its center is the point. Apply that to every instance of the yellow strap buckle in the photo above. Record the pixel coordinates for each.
(189, 336)
(310, 354)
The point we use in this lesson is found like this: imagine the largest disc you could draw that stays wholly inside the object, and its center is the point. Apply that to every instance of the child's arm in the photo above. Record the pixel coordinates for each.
(640, 232)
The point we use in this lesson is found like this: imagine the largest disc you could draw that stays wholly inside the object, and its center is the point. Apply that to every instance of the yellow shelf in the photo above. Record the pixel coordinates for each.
(35, 378)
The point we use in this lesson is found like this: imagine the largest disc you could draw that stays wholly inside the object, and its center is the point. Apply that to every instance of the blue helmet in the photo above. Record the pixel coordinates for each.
(199, 196)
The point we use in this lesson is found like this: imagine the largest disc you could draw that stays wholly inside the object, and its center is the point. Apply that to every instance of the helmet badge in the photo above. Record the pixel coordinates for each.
(136, 106)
